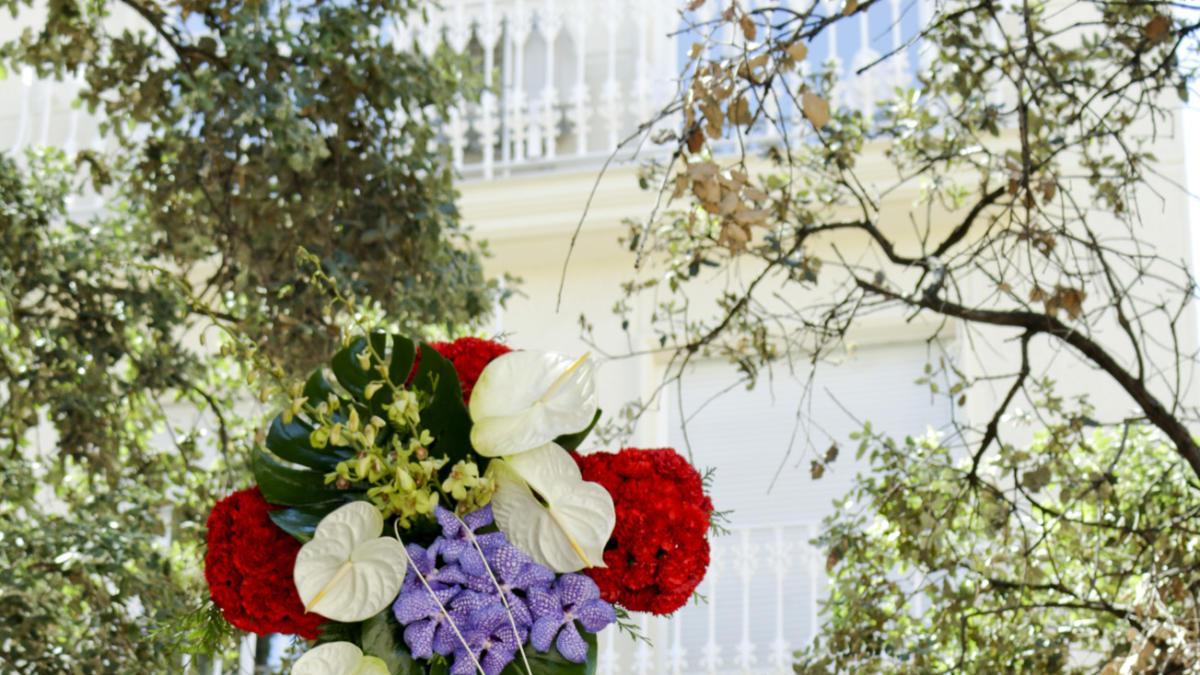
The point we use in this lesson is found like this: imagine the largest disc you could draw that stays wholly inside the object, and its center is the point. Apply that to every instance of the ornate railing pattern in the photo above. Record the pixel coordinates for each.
(760, 604)
(565, 81)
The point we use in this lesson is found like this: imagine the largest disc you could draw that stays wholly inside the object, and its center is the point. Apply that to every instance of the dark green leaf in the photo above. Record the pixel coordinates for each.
(379, 638)
(403, 354)
(282, 484)
(349, 372)
(446, 417)
(573, 441)
(301, 522)
(290, 442)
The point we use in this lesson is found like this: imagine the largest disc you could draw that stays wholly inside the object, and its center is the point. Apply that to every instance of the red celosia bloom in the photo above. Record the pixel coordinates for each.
(249, 569)
(658, 553)
(469, 356)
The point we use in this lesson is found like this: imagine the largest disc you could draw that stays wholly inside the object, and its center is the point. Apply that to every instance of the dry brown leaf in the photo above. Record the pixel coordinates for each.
(850, 8)
(695, 140)
(750, 217)
(816, 471)
(702, 170)
(754, 194)
(797, 50)
(816, 109)
(1049, 188)
(739, 112)
(734, 237)
(696, 50)
(708, 192)
(695, 5)
(714, 117)
(1157, 28)
(729, 203)
(748, 28)
(681, 186)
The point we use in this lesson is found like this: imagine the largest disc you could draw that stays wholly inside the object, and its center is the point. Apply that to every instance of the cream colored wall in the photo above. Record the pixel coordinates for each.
(529, 221)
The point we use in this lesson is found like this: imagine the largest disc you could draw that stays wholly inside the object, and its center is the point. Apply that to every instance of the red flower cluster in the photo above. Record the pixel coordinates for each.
(469, 356)
(249, 569)
(659, 551)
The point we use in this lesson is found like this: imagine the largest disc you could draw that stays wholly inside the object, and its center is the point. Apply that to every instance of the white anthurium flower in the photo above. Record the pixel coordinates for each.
(546, 509)
(523, 400)
(348, 572)
(338, 658)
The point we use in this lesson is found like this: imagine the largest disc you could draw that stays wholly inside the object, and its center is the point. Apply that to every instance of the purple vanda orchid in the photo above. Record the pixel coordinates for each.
(573, 599)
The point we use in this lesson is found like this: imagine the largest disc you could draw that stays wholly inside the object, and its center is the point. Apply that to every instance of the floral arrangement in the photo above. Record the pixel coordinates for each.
(423, 511)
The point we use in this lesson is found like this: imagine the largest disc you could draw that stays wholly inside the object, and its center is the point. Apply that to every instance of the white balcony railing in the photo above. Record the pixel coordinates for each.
(565, 80)
(760, 604)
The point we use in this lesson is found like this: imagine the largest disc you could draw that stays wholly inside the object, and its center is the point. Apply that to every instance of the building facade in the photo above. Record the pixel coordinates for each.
(567, 81)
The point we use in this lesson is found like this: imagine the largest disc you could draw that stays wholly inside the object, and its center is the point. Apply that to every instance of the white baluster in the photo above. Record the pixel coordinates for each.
(611, 88)
(867, 84)
(838, 91)
(677, 653)
(579, 95)
(747, 563)
(489, 34)
(781, 560)
(506, 90)
(520, 26)
(712, 649)
(814, 581)
(456, 130)
(247, 648)
(551, 25)
(643, 656)
(641, 76)
(608, 659)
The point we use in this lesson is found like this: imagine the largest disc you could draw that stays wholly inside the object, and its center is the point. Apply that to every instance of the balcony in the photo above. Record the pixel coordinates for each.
(565, 81)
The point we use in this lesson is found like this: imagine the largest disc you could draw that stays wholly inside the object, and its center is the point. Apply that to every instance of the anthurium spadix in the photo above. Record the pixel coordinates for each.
(339, 658)
(347, 572)
(523, 400)
(548, 511)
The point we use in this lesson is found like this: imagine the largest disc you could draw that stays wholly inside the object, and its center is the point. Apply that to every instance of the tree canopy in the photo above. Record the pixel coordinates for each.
(238, 135)
(1003, 197)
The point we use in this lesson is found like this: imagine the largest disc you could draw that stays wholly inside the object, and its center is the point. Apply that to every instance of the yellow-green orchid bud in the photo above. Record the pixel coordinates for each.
(319, 438)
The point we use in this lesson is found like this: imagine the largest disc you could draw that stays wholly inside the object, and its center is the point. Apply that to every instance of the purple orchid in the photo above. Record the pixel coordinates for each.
(458, 540)
(495, 601)
(425, 561)
(517, 576)
(492, 641)
(426, 627)
(574, 598)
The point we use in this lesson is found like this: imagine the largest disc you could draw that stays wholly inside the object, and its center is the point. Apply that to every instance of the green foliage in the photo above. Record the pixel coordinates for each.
(240, 133)
(1075, 552)
(251, 129)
